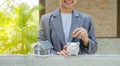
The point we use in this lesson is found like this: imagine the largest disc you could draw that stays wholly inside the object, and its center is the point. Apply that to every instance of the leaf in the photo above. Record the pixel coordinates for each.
(18, 28)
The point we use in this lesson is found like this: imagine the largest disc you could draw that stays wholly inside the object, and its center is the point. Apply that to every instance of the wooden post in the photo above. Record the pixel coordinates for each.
(43, 10)
(118, 18)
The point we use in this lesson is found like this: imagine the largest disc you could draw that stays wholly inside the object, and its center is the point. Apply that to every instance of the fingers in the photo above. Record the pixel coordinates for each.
(79, 32)
(65, 47)
(75, 31)
(63, 52)
(82, 34)
(59, 53)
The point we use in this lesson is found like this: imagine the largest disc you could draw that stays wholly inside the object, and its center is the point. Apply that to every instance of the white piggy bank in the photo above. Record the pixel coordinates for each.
(73, 48)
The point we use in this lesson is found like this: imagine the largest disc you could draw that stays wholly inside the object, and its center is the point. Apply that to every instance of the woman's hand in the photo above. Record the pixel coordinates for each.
(64, 52)
(82, 34)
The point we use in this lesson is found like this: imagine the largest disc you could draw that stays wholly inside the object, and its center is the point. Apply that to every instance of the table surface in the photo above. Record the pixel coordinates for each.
(53, 60)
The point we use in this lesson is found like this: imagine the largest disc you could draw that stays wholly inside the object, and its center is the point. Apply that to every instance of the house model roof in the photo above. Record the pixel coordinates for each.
(43, 45)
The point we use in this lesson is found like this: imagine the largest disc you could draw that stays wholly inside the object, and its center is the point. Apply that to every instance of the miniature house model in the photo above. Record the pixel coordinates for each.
(43, 48)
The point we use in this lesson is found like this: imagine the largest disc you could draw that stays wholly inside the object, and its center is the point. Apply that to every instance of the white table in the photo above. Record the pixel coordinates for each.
(82, 60)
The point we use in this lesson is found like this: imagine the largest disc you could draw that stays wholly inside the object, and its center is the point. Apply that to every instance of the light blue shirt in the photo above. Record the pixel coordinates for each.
(66, 21)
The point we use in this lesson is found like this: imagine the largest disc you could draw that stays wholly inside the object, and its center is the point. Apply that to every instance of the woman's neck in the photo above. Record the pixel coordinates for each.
(64, 10)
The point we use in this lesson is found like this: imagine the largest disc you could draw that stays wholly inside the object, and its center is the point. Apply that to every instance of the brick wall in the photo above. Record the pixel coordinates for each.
(104, 13)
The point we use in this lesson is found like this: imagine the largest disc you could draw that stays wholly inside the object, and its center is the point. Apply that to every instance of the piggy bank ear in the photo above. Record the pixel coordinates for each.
(78, 43)
(68, 43)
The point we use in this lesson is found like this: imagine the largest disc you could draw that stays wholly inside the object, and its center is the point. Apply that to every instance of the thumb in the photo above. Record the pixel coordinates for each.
(58, 53)
(65, 47)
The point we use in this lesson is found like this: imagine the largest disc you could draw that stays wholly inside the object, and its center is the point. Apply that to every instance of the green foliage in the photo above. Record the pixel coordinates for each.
(18, 28)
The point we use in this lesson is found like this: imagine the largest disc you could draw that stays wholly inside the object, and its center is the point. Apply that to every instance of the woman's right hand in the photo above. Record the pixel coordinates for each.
(63, 52)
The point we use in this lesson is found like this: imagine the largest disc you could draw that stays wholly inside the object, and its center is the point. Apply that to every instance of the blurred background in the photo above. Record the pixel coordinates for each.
(19, 21)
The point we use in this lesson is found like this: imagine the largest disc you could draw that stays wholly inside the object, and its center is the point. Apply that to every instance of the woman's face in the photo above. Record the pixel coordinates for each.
(68, 4)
